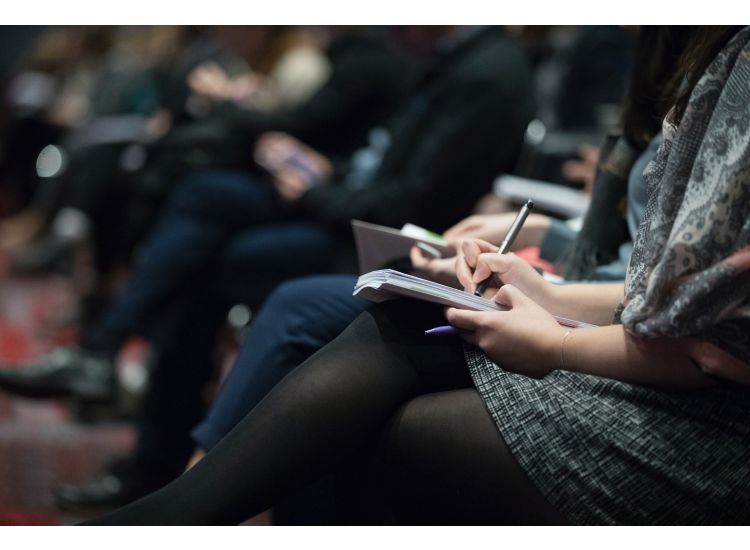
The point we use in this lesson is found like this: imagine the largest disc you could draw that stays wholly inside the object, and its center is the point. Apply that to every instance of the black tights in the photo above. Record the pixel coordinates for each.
(380, 385)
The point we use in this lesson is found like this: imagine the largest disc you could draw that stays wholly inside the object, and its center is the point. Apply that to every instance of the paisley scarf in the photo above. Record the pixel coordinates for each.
(689, 275)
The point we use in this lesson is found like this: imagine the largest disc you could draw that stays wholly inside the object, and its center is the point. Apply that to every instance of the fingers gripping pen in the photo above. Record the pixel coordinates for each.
(515, 228)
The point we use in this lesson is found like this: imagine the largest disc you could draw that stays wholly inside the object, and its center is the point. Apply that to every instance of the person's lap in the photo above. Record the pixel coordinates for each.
(444, 462)
(380, 379)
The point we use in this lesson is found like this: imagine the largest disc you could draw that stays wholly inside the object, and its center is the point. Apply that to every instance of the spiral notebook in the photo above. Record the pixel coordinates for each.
(386, 284)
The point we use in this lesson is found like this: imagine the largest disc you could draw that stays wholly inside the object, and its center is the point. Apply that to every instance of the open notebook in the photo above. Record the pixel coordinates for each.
(385, 284)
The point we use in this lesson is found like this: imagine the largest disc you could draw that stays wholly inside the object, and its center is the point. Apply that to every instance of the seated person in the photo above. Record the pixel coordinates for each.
(302, 316)
(641, 419)
(110, 193)
(464, 123)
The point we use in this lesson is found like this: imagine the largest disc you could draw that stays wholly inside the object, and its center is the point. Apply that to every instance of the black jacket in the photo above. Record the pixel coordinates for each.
(369, 80)
(463, 126)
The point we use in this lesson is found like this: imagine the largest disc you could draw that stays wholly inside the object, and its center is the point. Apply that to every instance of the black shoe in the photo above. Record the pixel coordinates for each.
(122, 484)
(49, 254)
(66, 372)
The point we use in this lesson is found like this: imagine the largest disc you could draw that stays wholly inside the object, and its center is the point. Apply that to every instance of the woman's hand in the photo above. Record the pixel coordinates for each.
(525, 339)
(477, 260)
(440, 270)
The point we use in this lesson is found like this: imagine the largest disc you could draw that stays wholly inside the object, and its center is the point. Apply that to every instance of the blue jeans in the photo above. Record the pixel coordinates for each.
(299, 317)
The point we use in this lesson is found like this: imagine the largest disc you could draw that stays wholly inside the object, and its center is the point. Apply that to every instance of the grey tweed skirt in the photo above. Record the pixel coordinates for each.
(607, 452)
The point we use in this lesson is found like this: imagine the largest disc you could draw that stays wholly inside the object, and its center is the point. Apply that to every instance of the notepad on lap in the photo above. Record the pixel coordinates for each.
(386, 284)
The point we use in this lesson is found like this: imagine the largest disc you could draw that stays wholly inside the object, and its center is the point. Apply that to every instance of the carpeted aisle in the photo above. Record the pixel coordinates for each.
(41, 443)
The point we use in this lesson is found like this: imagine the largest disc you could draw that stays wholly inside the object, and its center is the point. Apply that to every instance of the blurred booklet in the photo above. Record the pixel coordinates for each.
(379, 246)
(386, 284)
(557, 199)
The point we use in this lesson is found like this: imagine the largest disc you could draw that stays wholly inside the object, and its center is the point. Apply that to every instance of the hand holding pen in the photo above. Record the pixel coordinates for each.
(513, 231)
(479, 259)
(468, 269)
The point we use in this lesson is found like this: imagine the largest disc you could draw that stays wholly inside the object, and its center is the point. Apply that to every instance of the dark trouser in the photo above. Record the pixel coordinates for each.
(248, 269)
(299, 317)
(207, 215)
(224, 239)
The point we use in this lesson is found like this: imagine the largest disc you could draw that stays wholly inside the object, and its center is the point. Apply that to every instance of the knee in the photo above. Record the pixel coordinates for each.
(293, 295)
(292, 311)
(199, 191)
(314, 302)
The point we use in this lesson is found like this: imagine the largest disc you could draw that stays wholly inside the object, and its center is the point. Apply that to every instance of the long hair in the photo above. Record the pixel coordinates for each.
(704, 45)
(654, 81)
(669, 61)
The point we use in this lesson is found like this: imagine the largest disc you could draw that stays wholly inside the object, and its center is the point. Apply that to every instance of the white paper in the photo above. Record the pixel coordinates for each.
(386, 284)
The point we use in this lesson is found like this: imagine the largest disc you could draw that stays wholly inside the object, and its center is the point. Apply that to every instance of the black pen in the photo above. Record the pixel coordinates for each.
(509, 238)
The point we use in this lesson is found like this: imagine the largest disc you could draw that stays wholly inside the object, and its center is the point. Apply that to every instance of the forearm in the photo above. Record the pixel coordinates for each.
(591, 303)
(612, 353)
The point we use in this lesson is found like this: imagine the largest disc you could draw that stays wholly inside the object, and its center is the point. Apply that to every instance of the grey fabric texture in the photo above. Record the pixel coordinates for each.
(605, 452)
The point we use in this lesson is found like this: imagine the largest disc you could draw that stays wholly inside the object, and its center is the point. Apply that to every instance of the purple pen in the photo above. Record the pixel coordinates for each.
(443, 331)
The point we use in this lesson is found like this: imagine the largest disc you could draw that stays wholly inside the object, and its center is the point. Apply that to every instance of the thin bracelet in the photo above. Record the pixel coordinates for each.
(562, 348)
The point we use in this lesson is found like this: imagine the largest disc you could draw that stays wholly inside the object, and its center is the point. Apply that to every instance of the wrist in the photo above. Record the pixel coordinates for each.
(552, 354)
(564, 358)
(550, 296)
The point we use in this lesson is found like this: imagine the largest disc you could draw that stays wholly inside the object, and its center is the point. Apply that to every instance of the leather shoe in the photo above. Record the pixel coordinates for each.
(66, 372)
(48, 254)
(123, 483)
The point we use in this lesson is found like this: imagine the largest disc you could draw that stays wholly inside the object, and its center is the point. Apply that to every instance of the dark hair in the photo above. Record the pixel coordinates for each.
(704, 45)
(651, 91)
(669, 61)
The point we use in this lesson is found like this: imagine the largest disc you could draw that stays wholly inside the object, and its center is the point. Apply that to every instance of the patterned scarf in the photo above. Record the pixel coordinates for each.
(689, 275)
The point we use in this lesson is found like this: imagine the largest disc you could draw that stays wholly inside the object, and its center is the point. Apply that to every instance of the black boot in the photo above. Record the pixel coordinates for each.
(66, 372)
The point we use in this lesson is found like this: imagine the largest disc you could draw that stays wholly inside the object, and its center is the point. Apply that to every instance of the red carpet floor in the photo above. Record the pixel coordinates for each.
(44, 443)
(41, 445)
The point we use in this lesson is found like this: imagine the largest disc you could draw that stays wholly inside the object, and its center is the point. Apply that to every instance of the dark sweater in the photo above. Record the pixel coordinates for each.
(369, 80)
(463, 125)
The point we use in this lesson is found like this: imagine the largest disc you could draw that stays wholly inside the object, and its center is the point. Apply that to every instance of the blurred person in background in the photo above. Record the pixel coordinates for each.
(103, 102)
(641, 421)
(44, 98)
(112, 192)
(303, 315)
(227, 234)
